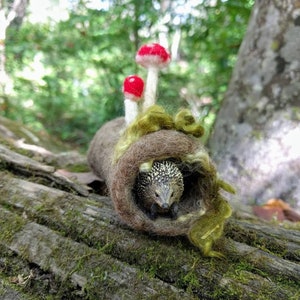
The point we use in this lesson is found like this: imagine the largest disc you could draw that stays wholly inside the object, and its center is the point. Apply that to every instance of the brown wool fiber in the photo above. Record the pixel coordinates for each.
(101, 150)
(120, 177)
(116, 155)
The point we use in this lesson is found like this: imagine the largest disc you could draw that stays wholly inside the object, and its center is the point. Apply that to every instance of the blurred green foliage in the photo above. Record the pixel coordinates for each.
(68, 75)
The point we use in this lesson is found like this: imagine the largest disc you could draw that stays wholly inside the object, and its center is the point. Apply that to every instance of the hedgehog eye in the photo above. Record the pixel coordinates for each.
(156, 194)
(172, 195)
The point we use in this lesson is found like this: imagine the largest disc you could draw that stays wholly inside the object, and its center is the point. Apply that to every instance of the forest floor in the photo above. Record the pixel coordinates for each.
(60, 238)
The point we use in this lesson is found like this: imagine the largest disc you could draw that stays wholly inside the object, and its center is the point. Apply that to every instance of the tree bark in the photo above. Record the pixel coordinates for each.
(59, 240)
(255, 142)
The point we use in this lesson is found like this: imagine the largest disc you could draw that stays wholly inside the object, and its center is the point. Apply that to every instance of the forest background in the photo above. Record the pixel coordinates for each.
(65, 61)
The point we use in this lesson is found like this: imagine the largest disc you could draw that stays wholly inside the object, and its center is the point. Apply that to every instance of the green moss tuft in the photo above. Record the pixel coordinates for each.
(155, 119)
(209, 228)
(185, 122)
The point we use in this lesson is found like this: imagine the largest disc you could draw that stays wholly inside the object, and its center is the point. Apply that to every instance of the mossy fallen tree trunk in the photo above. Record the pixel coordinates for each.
(57, 241)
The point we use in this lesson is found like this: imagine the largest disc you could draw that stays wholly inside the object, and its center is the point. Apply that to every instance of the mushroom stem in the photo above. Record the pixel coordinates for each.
(151, 87)
(131, 110)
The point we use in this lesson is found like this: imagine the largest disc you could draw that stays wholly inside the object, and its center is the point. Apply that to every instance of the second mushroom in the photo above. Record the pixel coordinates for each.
(153, 57)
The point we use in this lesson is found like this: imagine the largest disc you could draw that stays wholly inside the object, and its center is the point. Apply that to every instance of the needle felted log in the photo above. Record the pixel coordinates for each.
(116, 154)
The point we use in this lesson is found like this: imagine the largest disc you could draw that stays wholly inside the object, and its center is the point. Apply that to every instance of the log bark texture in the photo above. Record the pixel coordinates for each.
(59, 243)
(256, 137)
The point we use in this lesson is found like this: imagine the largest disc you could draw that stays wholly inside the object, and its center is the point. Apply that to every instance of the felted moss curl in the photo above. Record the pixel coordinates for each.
(185, 122)
(156, 118)
(207, 229)
(153, 119)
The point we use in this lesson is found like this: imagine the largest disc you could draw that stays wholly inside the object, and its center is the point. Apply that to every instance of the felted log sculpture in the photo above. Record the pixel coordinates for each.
(117, 153)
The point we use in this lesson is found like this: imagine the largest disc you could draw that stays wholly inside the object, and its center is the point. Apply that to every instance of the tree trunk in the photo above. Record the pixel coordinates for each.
(255, 142)
(59, 240)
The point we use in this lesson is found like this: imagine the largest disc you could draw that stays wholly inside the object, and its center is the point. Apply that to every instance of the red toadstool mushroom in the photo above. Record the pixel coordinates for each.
(153, 57)
(133, 88)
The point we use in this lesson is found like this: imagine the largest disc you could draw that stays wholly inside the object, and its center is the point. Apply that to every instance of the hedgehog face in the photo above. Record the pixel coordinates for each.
(160, 188)
(163, 194)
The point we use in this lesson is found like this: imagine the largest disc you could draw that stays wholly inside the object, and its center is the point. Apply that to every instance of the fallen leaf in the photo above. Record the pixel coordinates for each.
(276, 209)
(269, 213)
